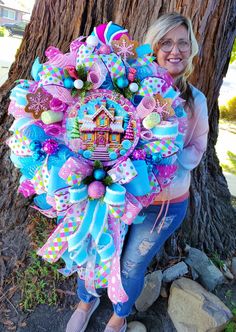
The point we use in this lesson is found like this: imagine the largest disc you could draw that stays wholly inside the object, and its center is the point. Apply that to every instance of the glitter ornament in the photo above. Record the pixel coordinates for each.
(35, 145)
(139, 155)
(96, 189)
(38, 155)
(50, 146)
(104, 49)
(78, 84)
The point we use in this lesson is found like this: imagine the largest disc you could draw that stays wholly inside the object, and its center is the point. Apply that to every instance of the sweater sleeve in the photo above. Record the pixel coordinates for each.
(192, 152)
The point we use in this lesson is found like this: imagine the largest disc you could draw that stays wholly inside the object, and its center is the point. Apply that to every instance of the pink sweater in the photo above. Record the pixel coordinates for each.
(194, 146)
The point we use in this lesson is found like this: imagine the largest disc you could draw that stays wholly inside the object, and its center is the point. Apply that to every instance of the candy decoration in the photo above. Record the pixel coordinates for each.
(49, 117)
(38, 102)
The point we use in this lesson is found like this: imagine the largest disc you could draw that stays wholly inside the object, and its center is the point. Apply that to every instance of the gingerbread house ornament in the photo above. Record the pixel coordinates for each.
(101, 131)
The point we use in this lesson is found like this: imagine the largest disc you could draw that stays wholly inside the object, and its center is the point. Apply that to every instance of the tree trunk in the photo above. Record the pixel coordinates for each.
(210, 224)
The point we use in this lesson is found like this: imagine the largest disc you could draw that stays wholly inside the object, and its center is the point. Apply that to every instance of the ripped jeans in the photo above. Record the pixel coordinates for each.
(140, 247)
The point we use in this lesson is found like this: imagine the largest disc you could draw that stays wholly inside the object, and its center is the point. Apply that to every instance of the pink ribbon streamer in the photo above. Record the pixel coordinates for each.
(115, 291)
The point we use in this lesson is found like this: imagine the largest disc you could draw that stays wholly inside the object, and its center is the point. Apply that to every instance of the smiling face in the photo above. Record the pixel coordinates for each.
(173, 51)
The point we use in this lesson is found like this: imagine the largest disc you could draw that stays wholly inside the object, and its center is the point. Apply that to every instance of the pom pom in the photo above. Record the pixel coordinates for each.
(96, 189)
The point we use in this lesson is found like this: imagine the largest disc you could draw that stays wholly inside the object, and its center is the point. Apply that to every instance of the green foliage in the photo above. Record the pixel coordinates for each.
(228, 111)
(217, 260)
(97, 164)
(107, 181)
(82, 72)
(2, 31)
(233, 53)
(38, 281)
(231, 166)
(230, 327)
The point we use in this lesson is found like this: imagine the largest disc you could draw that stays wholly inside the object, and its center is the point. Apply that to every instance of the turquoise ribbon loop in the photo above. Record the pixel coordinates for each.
(115, 195)
(106, 247)
(80, 235)
(99, 220)
(80, 255)
(78, 193)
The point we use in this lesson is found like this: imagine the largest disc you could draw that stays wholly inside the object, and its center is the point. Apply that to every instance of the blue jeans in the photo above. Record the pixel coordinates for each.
(140, 247)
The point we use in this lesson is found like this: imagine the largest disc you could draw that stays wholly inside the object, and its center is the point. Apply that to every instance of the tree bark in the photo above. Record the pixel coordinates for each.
(210, 224)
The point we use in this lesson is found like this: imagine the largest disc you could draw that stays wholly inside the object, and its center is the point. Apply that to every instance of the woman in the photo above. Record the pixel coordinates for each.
(174, 45)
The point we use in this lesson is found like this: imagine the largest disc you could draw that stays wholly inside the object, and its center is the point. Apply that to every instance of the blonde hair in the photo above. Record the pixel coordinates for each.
(161, 27)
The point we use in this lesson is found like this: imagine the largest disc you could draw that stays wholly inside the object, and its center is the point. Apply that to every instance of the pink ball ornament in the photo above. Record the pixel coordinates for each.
(139, 155)
(104, 49)
(96, 189)
(50, 146)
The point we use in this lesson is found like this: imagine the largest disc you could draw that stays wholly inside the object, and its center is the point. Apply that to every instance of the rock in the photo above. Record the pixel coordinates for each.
(193, 309)
(150, 292)
(194, 273)
(136, 327)
(175, 271)
(233, 266)
(228, 274)
(209, 275)
(164, 291)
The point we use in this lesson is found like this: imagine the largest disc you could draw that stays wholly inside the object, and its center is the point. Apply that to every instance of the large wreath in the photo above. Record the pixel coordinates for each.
(95, 137)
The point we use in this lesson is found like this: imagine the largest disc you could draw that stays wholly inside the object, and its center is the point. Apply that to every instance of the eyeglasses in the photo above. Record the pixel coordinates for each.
(168, 45)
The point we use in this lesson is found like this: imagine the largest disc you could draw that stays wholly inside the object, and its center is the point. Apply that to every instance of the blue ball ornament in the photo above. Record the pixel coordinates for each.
(68, 83)
(156, 158)
(38, 155)
(99, 174)
(113, 155)
(35, 145)
(87, 154)
(122, 82)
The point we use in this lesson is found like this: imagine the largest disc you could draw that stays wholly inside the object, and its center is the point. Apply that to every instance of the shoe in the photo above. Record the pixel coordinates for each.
(80, 318)
(111, 329)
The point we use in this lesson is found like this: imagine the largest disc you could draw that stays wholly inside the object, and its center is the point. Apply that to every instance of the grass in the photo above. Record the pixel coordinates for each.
(39, 279)
(230, 166)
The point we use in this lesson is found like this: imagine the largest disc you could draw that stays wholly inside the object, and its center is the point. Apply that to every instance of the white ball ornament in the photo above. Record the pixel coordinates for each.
(133, 87)
(92, 41)
(78, 84)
